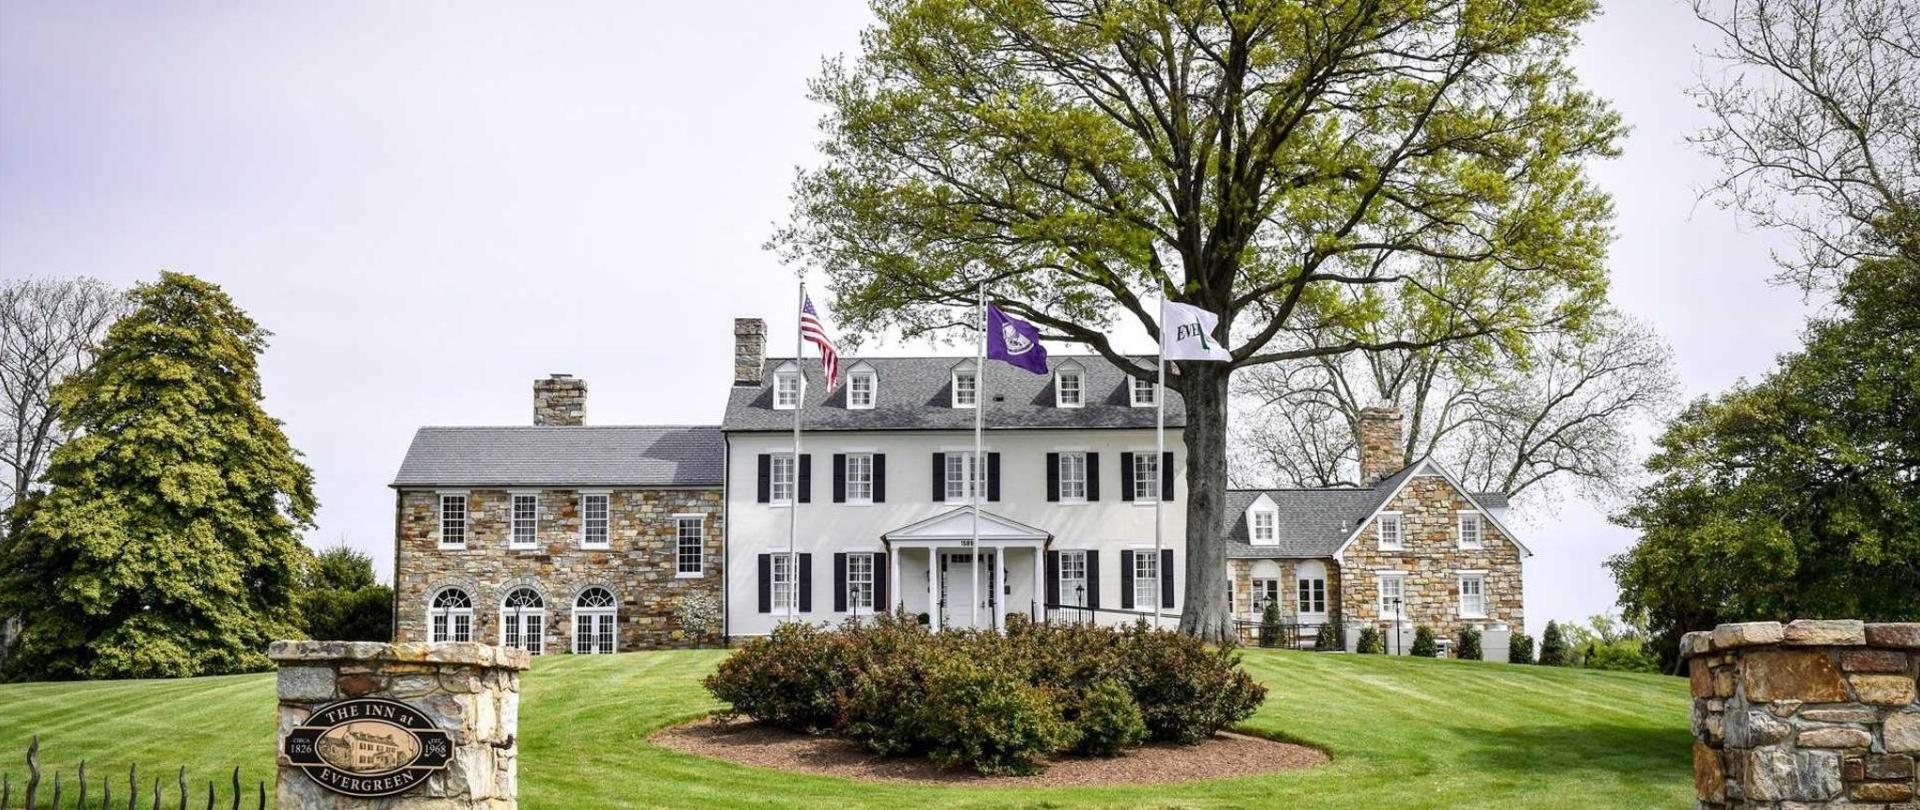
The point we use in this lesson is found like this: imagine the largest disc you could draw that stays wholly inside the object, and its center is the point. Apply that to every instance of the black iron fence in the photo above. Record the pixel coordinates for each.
(60, 794)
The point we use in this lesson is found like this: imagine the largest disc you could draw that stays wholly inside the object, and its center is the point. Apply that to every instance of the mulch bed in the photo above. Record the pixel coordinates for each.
(1226, 755)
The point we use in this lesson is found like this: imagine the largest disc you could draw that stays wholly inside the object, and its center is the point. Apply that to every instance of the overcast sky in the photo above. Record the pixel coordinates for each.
(432, 204)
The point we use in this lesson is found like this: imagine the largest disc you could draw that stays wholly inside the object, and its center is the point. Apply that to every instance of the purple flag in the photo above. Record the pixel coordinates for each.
(1015, 341)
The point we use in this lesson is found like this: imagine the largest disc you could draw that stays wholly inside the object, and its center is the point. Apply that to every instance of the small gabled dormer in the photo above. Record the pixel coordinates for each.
(1070, 385)
(863, 387)
(966, 385)
(787, 386)
(1142, 393)
(1263, 522)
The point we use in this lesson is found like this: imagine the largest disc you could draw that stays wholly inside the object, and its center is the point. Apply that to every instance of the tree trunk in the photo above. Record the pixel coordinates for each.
(1204, 388)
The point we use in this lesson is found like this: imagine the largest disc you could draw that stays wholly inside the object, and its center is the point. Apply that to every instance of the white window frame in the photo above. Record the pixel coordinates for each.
(860, 590)
(972, 476)
(459, 524)
(444, 623)
(862, 463)
(1309, 592)
(1399, 580)
(1263, 589)
(1263, 535)
(855, 383)
(1399, 524)
(1146, 575)
(972, 377)
(586, 521)
(1141, 393)
(698, 523)
(1152, 459)
(1479, 580)
(778, 463)
(1069, 476)
(1060, 377)
(515, 523)
(603, 643)
(785, 586)
(515, 621)
(1073, 575)
(1479, 540)
(788, 388)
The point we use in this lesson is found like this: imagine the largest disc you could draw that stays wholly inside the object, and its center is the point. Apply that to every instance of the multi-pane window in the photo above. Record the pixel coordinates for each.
(860, 582)
(860, 477)
(860, 389)
(1392, 595)
(963, 476)
(1069, 389)
(783, 583)
(1146, 579)
(1311, 595)
(1470, 530)
(1073, 578)
(526, 521)
(690, 548)
(1146, 477)
(523, 621)
(966, 388)
(1073, 476)
(782, 483)
(1265, 526)
(1473, 595)
(593, 520)
(453, 521)
(1265, 592)
(450, 616)
(1143, 392)
(1390, 534)
(595, 614)
(786, 390)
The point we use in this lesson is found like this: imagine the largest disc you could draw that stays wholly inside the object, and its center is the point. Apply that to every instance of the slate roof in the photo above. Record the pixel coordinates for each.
(915, 393)
(1314, 522)
(565, 456)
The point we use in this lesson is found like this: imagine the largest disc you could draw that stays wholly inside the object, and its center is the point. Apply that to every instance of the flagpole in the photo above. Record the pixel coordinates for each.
(793, 502)
(979, 465)
(1159, 463)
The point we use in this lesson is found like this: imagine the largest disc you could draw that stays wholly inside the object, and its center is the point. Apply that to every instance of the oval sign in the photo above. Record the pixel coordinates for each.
(368, 747)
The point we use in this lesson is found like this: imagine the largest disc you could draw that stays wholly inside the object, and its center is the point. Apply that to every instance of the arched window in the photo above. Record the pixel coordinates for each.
(1310, 591)
(593, 621)
(450, 616)
(523, 621)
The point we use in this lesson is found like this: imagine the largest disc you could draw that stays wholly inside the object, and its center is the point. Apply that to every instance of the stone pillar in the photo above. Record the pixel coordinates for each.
(749, 350)
(1379, 443)
(470, 691)
(1809, 714)
(560, 400)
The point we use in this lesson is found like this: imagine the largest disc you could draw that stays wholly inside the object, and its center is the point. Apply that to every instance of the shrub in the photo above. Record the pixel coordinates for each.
(1187, 690)
(1369, 641)
(1520, 649)
(1107, 719)
(1623, 655)
(1329, 638)
(1553, 647)
(793, 678)
(1423, 643)
(981, 714)
(1469, 648)
(1270, 625)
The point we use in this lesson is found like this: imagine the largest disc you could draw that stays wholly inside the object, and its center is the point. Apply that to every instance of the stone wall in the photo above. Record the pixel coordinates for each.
(1432, 560)
(640, 565)
(471, 691)
(1380, 452)
(1809, 714)
(749, 350)
(560, 399)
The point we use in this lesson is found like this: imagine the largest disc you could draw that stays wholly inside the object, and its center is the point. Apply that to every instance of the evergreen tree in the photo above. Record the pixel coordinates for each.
(1270, 624)
(1553, 647)
(1423, 642)
(168, 544)
(1469, 649)
(1520, 649)
(1369, 641)
(341, 602)
(1332, 637)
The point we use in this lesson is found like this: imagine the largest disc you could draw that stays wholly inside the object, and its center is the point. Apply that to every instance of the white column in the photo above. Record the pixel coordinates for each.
(894, 596)
(933, 588)
(1040, 581)
(999, 616)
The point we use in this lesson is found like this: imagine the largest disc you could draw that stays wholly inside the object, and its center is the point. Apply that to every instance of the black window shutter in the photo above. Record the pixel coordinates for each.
(1126, 578)
(839, 582)
(1166, 476)
(1093, 579)
(879, 477)
(1053, 481)
(839, 477)
(939, 477)
(993, 476)
(1053, 578)
(880, 574)
(1093, 476)
(1166, 577)
(806, 478)
(766, 477)
(806, 583)
(766, 581)
(1126, 476)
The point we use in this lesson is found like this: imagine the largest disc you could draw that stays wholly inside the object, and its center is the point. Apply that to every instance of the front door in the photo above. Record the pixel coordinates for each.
(965, 605)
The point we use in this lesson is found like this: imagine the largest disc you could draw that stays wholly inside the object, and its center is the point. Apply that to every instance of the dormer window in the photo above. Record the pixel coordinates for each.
(1266, 527)
(1143, 393)
(786, 388)
(966, 387)
(862, 389)
(1069, 387)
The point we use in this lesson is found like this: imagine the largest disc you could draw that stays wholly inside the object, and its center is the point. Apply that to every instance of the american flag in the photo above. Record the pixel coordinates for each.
(816, 334)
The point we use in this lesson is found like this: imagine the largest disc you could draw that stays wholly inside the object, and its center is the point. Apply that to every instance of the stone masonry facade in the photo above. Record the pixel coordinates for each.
(1809, 714)
(1242, 574)
(1432, 563)
(658, 608)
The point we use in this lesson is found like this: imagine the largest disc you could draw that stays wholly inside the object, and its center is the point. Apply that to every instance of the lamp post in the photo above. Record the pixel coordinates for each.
(1080, 599)
(1398, 647)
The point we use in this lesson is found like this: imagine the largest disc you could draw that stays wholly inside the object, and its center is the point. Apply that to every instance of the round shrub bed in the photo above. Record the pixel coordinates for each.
(993, 702)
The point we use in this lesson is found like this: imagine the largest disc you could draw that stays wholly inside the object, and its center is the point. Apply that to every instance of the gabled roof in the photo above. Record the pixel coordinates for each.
(565, 456)
(915, 393)
(1319, 522)
(958, 523)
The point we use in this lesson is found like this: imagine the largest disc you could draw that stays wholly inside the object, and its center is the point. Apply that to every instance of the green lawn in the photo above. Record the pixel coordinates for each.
(1403, 733)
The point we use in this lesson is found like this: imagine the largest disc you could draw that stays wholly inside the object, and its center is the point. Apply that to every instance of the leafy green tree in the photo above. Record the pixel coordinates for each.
(341, 601)
(1331, 637)
(1553, 647)
(1326, 178)
(1370, 641)
(1424, 644)
(1520, 649)
(1270, 624)
(1469, 649)
(168, 544)
(1798, 496)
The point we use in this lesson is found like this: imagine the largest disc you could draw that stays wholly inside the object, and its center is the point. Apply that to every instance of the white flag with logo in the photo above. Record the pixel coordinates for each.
(1186, 333)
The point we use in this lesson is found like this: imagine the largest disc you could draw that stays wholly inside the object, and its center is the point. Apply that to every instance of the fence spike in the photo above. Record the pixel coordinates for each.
(156, 793)
(56, 790)
(209, 794)
(262, 784)
(6, 789)
(236, 787)
(82, 804)
(106, 792)
(133, 786)
(183, 787)
(33, 769)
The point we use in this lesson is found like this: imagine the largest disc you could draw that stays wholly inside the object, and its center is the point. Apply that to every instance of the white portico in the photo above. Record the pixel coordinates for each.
(957, 592)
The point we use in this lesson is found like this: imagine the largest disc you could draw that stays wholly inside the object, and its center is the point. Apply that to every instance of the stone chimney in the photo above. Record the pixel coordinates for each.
(560, 400)
(749, 350)
(1380, 454)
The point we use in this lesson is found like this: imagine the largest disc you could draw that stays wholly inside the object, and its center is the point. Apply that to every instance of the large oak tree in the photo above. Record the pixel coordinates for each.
(1278, 162)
